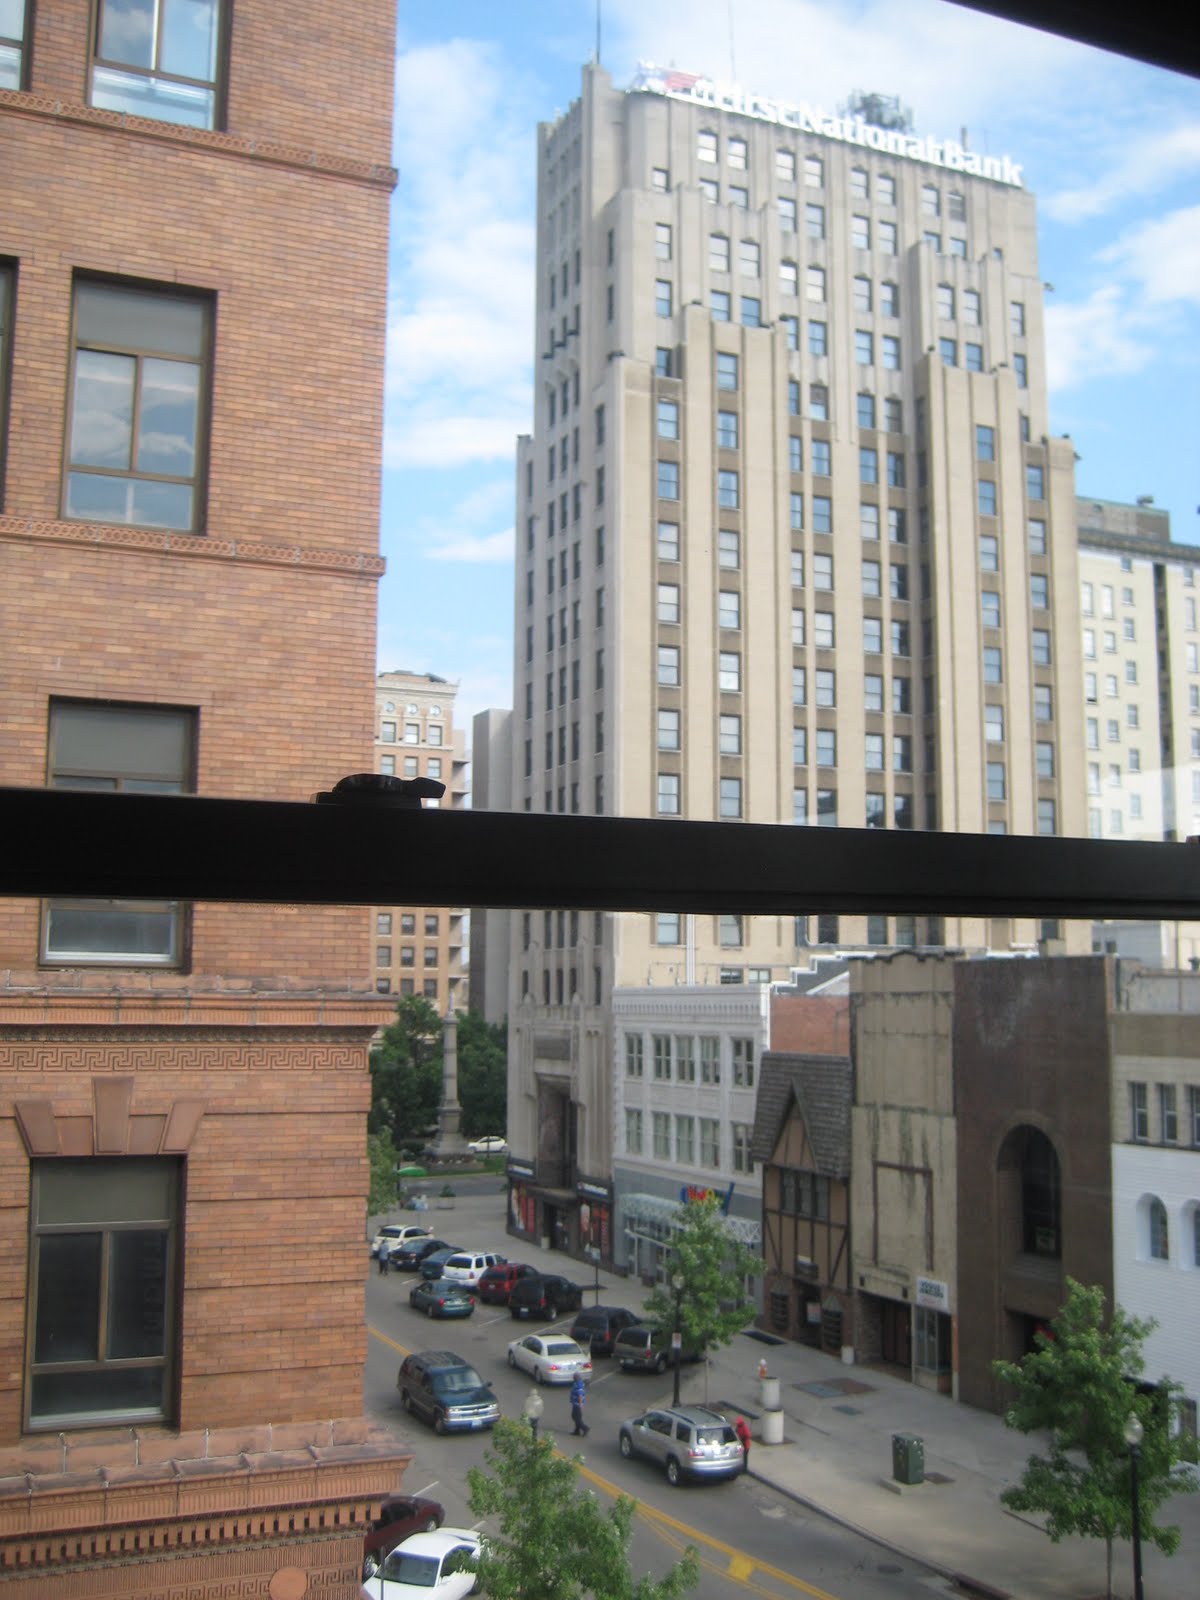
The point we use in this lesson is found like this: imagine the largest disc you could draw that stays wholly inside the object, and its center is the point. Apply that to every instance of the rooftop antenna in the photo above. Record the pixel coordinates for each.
(597, 32)
(732, 56)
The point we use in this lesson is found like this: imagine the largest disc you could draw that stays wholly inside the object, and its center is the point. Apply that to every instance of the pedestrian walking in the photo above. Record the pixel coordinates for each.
(742, 1428)
(385, 1257)
(578, 1391)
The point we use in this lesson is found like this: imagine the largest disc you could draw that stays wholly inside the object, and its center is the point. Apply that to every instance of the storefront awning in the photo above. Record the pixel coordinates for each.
(656, 1208)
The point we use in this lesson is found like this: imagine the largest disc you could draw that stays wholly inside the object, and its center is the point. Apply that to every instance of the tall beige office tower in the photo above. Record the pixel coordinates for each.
(794, 542)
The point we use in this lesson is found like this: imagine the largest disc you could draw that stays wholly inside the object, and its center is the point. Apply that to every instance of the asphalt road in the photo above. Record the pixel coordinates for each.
(751, 1540)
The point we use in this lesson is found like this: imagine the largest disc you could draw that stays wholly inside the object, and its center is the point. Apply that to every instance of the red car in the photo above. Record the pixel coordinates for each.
(400, 1515)
(495, 1283)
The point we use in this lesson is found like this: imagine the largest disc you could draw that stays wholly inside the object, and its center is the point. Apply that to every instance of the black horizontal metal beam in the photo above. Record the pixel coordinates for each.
(1150, 32)
(63, 842)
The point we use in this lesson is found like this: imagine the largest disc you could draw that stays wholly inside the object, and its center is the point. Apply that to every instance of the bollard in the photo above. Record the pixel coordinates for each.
(770, 1394)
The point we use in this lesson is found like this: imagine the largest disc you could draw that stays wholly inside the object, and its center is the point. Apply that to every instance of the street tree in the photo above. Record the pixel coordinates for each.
(482, 1075)
(383, 1158)
(711, 1307)
(1078, 1387)
(406, 1073)
(554, 1540)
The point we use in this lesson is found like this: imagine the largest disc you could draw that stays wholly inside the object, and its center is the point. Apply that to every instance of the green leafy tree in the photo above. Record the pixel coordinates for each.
(554, 1542)
(406, 1073)
(714, 1264)
(1078, 1386)
(482, 1075)
(382, 1155)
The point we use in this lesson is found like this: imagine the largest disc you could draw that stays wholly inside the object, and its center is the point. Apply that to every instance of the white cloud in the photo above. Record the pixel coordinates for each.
(1150, 165)
(1161, 257)
(475, 547)
(1096, 338)
(460, 316)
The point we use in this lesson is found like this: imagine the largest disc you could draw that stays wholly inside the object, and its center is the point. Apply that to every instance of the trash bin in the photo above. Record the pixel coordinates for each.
(908, 1458)
(770, 1394)
(771, 1429)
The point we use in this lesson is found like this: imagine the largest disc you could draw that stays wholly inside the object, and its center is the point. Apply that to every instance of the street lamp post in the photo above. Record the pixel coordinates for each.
(532, 1410)
(595, 1255)
(1133, 1438)
(677, 1283)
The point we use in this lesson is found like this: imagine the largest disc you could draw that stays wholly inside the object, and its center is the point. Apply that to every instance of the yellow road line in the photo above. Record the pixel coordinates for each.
(383, 1338)
(740, 1565)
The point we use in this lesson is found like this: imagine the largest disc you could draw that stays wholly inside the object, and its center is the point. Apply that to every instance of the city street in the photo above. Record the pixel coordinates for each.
(751, 1539)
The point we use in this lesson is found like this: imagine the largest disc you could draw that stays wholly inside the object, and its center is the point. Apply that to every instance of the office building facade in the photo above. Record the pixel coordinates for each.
(794, 544)
(418, 950)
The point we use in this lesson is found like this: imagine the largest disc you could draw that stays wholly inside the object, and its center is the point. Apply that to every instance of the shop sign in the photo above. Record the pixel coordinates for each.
(933, 1294)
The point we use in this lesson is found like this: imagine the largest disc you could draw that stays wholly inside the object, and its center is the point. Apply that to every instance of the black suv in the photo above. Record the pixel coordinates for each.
(544, 1295)
(596, 1327)
(446, 1391)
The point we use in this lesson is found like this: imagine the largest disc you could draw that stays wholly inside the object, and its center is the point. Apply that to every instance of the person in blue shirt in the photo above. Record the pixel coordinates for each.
(578, 1391)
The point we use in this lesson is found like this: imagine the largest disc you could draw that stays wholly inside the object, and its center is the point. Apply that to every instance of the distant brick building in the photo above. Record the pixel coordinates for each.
(193, 233)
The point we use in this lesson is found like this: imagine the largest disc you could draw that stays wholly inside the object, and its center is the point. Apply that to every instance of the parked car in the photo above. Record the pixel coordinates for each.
(686, 1441)
(495, 1284)
(644, 1348)
(544, 1294)
(396, 1233)
(492, 1144)
(441, 1562)
(552, 1358)
(411, 1254)
(399, 1515)
(596, 1327)
(438, 1299)
(432, 1264)
(468, 1266)
(446, 1392)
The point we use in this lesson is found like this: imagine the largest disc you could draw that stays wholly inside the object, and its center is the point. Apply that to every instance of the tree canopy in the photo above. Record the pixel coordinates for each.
(554, 1541)
(406, 1074)
(1078, 1386)
(381, 1153)
(714, 1265)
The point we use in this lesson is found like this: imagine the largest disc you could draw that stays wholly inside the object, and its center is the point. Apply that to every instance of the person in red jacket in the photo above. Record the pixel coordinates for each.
(742, 1428)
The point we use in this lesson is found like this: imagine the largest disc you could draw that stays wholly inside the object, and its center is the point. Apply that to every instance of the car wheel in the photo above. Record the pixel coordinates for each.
(370, 1568)
(406, 1399)
(660, 1363)
(551, 1312)
(430, 1525)
(429, 1311)
(538, 1375)
(626, 1444)
(439, 1422)
(512, 1358)
(516, 1316)
(674, 1476)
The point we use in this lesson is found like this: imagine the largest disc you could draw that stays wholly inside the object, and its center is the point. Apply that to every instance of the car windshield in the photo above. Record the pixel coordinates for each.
(562, 1347)
(419, 1572)
(459, 1380)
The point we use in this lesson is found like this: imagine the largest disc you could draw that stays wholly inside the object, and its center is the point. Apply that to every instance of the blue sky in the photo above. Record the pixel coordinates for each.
(1111, 149)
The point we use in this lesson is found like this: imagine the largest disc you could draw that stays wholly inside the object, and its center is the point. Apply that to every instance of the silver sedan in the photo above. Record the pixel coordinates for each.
(550, 1357)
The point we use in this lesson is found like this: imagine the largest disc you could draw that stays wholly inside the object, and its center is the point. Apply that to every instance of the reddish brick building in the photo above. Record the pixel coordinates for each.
(193, 234)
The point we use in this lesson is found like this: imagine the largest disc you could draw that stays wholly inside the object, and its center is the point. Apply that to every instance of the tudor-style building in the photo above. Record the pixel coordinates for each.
(802, 1137)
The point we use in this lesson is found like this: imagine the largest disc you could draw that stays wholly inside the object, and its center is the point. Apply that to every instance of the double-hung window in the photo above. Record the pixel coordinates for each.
(138, 403)
(139, 750)
(102, 1292)
(159, 59)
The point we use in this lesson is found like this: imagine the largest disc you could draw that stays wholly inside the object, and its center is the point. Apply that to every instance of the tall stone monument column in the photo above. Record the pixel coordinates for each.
(449, 1142)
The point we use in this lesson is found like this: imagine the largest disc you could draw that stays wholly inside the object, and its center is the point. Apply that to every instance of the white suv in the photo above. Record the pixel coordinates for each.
(467, 1266)
(393, 1234)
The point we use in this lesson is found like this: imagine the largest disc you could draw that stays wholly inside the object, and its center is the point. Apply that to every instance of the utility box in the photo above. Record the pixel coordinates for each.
(908, 1458)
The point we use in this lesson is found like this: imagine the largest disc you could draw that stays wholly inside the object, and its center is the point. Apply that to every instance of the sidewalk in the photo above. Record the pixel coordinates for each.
(836, 1456)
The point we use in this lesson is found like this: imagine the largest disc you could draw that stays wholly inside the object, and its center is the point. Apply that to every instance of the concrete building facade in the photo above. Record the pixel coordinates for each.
(192, 271)
(420, 950)
(794, 543)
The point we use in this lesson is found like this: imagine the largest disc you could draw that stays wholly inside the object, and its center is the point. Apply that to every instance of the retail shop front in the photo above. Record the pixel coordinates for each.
(649, 1223)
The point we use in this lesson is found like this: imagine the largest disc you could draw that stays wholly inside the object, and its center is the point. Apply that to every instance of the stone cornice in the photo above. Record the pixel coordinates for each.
(204, 1016)
(205, 141)
(193, 546)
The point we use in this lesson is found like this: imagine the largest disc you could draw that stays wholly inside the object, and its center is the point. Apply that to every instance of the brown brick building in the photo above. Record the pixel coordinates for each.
(193, 232)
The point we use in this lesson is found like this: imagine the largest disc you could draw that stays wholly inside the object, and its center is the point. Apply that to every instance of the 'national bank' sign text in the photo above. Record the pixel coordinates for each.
(812, 119)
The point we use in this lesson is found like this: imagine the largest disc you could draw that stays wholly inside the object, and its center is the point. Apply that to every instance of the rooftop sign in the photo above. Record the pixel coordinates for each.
(807, 118)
